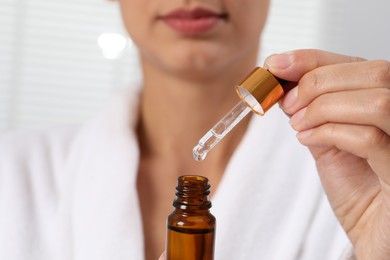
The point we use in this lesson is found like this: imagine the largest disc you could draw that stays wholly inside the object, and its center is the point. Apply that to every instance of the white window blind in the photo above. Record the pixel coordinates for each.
(53, 72)
(291, 25)
(51, 68)
(7, 43)
(355, 27)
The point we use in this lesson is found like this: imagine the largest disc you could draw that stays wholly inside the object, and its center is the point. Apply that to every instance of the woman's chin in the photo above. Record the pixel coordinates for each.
(196, 71)
(197, 58)
(196, 66)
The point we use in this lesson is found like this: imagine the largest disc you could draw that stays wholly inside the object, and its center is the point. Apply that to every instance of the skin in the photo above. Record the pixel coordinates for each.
(341, 110)
(184, 78)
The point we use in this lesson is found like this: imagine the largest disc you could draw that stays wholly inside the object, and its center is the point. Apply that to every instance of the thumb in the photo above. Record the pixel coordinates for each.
(293, 65)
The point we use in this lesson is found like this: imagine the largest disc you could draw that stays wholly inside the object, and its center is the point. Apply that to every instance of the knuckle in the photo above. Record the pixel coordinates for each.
(331, 129)
(310, 56)
(352, 59)
(382, 103)
(317, 58)
(320, 105)
(379, 71)
(316, 54)
(374, 137)
(309, 82)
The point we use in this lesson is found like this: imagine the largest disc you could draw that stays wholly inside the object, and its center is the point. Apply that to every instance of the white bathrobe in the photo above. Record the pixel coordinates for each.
(70, 193)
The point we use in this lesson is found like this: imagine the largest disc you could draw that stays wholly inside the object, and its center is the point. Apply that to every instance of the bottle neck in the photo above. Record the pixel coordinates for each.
(192, 193)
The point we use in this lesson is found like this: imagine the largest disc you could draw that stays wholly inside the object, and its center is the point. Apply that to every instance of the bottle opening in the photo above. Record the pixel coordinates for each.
(192, 179)
(193, 184)
(192, 190)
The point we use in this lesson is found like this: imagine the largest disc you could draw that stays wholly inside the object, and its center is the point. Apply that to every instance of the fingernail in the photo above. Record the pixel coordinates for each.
(304, 134)
(297, 117)
(279, 61)
(290, 98)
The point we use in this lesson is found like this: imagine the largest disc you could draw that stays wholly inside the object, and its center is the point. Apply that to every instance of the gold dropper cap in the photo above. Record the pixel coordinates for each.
(260, 90)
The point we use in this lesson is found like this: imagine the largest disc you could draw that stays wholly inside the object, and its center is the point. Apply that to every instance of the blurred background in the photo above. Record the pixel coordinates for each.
(60, 61)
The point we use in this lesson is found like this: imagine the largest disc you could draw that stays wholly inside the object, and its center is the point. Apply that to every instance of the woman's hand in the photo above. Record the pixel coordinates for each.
(341, 110)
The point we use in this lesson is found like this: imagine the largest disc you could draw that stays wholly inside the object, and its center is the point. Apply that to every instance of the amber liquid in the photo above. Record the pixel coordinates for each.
(190, 244)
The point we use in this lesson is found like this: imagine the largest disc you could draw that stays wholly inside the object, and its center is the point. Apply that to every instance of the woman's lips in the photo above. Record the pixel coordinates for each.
(192, 22)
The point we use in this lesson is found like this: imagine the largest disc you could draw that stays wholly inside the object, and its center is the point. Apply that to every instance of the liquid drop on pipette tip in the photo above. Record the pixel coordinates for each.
(199, 152)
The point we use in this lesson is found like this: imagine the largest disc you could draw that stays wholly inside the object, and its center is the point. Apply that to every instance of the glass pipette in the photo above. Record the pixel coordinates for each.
(258, 92)
(222, 128)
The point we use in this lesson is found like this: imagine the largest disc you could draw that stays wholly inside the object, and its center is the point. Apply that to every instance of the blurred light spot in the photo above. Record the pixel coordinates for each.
(112, 44)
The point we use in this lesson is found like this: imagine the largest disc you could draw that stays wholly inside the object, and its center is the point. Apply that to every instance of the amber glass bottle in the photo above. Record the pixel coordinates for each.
(191, 226)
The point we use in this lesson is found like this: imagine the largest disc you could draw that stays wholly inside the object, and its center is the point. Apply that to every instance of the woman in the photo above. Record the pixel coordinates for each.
(103, 191)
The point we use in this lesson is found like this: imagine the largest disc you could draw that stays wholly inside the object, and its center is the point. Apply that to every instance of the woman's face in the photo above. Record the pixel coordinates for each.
(190, 36)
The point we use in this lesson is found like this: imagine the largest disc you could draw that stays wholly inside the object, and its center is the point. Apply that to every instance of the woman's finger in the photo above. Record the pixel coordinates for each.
(359, 107)
(367, 142)
(336, 78)
(294, 64)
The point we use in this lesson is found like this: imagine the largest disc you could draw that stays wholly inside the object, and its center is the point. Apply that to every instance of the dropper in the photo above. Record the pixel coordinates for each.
(258, 92)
